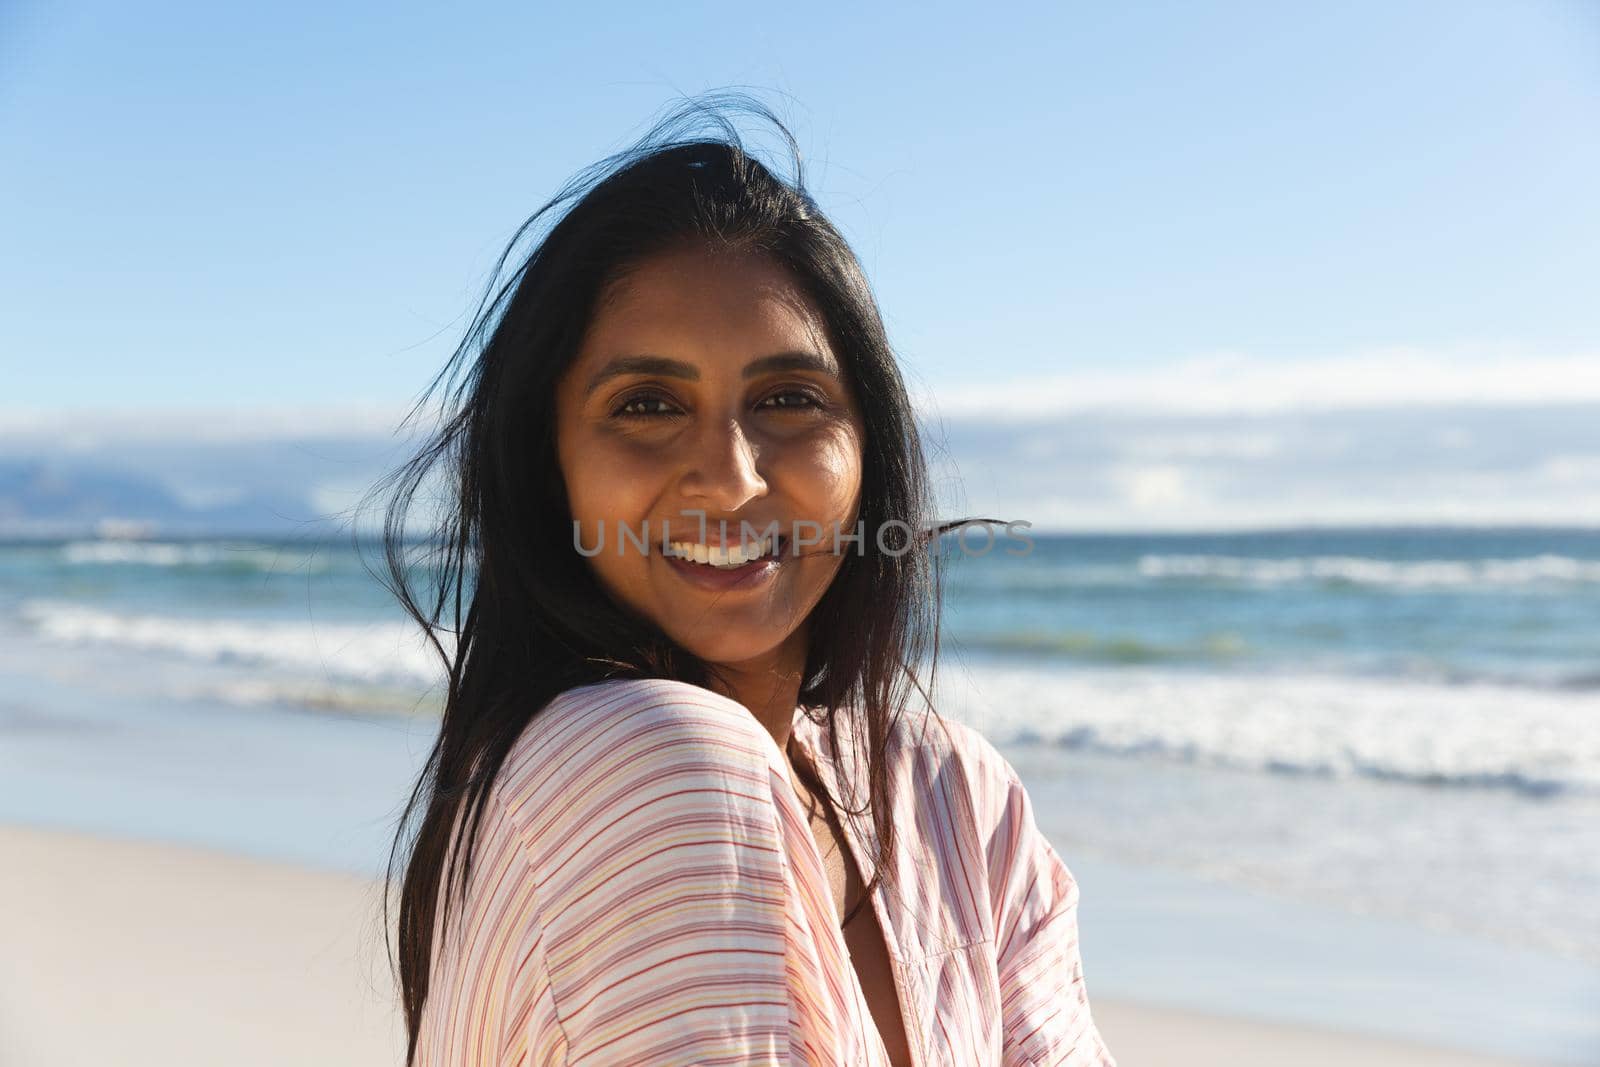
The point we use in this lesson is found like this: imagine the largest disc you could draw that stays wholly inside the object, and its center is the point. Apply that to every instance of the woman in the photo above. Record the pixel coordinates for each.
(683, 478)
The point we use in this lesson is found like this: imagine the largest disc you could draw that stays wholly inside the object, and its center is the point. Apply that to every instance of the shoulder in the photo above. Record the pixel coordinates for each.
(942, 741)
(585, 705)
(597, 714)
(626, 728)
(942, 738)
(951, 756)
(631, 695)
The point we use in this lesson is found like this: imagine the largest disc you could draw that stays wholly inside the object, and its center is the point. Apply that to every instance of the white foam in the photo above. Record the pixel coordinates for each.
(1406, 574)
(376, 653)
(1479, 734)
(180, 554)
(1529, 740)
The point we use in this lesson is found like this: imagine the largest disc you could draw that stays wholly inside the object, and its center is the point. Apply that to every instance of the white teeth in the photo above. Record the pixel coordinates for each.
(717, 556)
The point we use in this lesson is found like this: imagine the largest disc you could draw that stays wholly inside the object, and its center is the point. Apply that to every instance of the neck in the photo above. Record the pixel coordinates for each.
(769, 687)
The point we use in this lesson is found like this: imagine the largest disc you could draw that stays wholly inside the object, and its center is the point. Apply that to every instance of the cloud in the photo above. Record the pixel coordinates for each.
(1573, 470)
(88, 430)
(1238, 384)
(1429, 465)
(1152, 486)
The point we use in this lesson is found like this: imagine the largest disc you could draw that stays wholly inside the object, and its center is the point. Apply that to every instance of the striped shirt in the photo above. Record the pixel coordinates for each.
(646, 890)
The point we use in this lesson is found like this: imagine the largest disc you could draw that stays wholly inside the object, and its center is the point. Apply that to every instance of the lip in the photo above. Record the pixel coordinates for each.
(752, 575)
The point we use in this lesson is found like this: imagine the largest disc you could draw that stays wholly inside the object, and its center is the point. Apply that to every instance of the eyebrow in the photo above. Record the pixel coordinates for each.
(673, 368)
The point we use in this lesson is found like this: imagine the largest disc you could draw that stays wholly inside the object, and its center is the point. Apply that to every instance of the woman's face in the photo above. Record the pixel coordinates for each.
(706, 384)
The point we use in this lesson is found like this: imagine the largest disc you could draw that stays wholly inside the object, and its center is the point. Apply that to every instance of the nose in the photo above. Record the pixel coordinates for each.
(723, 468)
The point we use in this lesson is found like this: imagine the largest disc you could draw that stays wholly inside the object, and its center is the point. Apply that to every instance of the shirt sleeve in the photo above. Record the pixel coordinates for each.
(1045, 1016)
(489, 999)
(673, 926)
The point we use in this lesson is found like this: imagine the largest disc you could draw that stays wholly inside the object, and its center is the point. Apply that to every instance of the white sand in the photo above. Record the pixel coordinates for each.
(1143, 1036)
(131, 953)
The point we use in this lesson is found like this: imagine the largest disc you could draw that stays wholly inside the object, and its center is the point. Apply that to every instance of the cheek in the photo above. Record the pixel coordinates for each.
(607, 487)
(606, 492)
(825, 478)
(605, 482)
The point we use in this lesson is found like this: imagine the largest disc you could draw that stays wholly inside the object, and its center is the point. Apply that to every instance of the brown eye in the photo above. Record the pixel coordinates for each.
(642, 406)
(795, 400)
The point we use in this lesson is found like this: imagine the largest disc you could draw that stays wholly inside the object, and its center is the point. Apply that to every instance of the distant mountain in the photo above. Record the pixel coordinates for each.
(64, 498)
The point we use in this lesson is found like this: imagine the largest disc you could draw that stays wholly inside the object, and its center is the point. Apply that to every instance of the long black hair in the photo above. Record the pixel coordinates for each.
(527, 617)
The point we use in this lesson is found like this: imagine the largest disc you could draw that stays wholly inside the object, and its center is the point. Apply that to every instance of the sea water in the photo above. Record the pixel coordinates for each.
(1402, 723)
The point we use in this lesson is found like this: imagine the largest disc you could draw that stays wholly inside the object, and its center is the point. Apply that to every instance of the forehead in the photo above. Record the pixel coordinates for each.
(705, 302)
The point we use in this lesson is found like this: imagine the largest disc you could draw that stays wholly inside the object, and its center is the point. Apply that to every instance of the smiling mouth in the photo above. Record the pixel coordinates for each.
(727, 558)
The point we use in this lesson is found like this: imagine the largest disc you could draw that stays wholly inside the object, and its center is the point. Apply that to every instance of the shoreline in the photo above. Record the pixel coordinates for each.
(184, 955)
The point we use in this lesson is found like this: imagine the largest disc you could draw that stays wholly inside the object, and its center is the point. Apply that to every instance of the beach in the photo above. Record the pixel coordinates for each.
(135, 953)
(1297, 838)
(1229, 468)
(141, 953)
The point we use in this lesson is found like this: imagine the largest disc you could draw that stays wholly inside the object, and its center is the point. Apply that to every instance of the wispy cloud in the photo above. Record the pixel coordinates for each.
(1235, 383)
(1466, 465)
(87, 430)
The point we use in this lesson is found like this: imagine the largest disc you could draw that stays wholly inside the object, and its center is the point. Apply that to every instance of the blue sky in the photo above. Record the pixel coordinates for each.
(292, 208)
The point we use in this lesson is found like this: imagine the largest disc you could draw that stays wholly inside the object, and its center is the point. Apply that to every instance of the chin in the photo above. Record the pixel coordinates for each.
(730, 649)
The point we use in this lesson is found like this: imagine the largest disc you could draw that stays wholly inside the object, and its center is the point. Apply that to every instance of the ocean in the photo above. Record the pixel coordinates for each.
(1401, 723)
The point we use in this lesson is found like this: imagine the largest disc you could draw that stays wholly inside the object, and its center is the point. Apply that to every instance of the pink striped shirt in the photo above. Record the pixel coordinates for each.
(646, 890)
